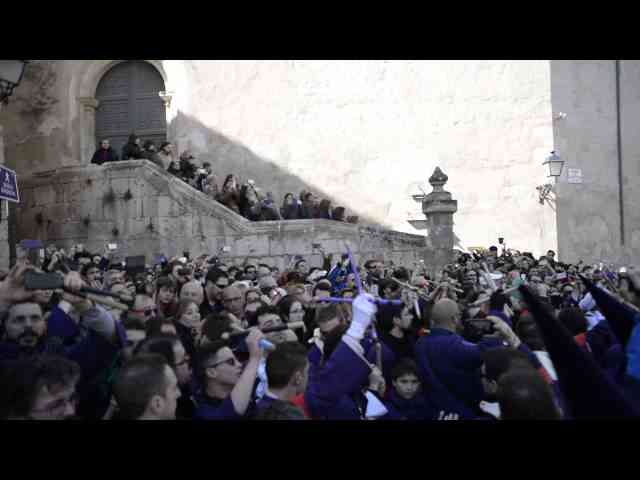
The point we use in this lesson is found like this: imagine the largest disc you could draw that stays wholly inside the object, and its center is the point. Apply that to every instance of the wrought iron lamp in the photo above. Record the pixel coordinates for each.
(11, 72)
(555, 164)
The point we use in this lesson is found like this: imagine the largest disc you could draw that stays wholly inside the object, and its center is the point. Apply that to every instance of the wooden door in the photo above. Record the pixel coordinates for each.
(129, 102)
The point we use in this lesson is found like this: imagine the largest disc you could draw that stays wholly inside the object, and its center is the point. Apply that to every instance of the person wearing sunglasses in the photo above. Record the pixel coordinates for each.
(226, 388)
(42, 387)
(216, 281)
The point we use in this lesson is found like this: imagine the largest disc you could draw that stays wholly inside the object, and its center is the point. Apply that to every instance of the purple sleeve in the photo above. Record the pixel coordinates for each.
(61, 325)
(343, 373)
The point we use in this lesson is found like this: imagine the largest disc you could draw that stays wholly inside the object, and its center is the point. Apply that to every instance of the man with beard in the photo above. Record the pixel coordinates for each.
(24, 328)
(374, 269)
(93, 340)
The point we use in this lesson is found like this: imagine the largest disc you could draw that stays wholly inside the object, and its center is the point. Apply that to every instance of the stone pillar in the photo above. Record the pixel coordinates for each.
(88, 106)
(439, 207)
(4, 218)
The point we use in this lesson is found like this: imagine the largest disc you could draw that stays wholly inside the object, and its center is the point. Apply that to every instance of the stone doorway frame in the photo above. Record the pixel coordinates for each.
(85, 95)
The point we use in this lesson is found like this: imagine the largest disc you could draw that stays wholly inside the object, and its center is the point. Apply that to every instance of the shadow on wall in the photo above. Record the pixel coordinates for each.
(230, 156)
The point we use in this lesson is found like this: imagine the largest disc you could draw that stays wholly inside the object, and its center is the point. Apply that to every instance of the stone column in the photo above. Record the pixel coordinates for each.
(88, 106)
(439, 207)
(4, 218)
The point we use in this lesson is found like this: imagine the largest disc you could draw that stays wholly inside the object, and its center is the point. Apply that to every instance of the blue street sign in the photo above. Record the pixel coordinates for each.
(8, 185)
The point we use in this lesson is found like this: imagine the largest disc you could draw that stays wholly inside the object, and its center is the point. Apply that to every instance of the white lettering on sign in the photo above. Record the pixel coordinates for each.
(8, 185)
(574, 175)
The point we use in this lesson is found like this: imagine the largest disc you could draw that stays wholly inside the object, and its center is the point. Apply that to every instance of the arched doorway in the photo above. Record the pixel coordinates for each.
(129, 102)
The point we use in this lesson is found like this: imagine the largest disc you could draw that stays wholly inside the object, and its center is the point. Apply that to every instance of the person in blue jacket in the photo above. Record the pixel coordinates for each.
(449, 366)
(226, 388)
(341, 385)
(406, 400)
(93, 339)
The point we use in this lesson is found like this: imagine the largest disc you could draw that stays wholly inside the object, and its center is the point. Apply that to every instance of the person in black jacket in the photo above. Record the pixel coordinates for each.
(150, 153)
(104, 154)
(132, 150)
(290, 209)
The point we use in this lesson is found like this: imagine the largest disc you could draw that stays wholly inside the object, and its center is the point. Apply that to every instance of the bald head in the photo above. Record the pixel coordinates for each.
(445, 314)
(233, 301)
(192, 291)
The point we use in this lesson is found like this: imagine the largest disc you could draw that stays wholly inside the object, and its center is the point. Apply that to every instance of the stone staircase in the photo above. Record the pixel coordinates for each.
(148, 211)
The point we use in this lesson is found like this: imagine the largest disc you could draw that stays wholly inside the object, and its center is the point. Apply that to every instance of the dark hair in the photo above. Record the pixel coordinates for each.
(322, 285)
(325, 207)
(307, 195)
(164, 144)
(369, 263)
(528, 332)
(524, 395)
(153, 326)
(338, 214)
(204, 355)
(287, 359)
(401, 274)
(149, 143)
(139, 380)
(227, 178)
(267, 309)
(294, 277)
(498, 300)
(161, 344)
(284, 306)
(166, 282)
(280, 410)
(331, 341)
(85, 268)
(386, 314)
(246, 269)
(405, 366)
(299, 262)
(497, 361)
(326, 313)
(23, 379)
(574, 320)
(215, 325)
(214, 274)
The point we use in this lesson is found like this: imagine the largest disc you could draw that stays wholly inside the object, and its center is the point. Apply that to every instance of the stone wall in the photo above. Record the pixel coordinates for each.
(588, 214)
(156, 213)
(364, 133)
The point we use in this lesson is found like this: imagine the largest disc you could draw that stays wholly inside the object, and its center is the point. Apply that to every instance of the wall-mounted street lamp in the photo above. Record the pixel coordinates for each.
(555, 164)
(11, 72)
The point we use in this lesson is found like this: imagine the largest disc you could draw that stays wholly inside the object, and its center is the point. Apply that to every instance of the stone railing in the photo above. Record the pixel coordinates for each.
(146, 210)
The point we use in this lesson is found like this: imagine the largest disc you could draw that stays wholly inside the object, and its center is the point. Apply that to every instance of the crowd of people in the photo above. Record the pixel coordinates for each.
(489, 337)
(244, 198)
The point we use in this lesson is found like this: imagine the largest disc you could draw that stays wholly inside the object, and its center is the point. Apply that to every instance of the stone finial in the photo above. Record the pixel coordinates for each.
(438, 179)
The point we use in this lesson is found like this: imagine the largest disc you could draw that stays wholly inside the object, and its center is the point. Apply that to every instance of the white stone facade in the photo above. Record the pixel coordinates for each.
(364, 133)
